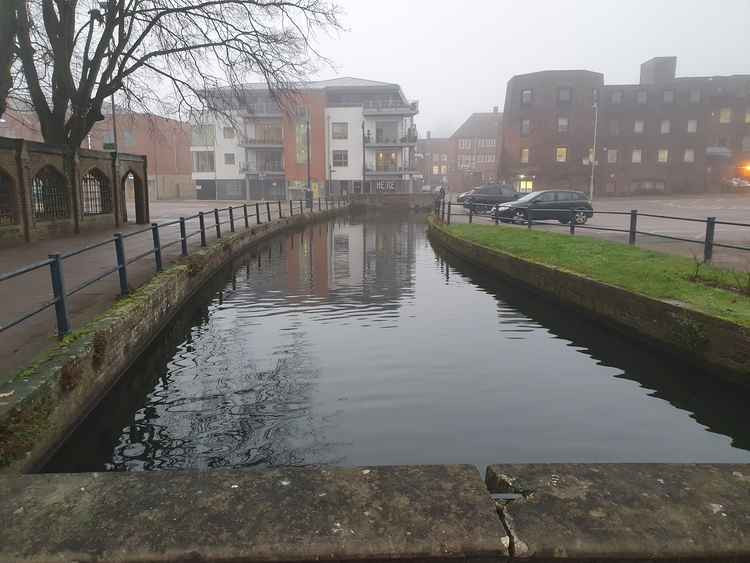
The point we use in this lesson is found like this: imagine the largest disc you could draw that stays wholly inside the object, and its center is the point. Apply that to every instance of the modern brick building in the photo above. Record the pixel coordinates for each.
(666, 134)
(477, 144)
(436, 160)
(262, 151)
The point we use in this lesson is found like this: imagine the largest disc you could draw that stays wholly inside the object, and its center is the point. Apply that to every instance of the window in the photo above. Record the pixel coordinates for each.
(435, 170)
(638, 126)
(725, 115)
(561, 154)
(617, 97)
(444, 157)
(564, 95)
(464, 143)
(695, 96)
(444, 169)
(614, 127)
(203, 161)
(229, 158)
(689, 155)
(525, 155)
(7, 201)
(692, 125)
(340, 130)
(96, 197)
(562, 124)
(526, 97)
(525, 127)
(229, 133)
(489, 142)
(203, 135)
(666, 126)
(746, 144)
(637, 156)
(340, 158)
(662, 156)
(49, 196)
(641, 97)
(747, 115)
(612, 156)
(668, 96)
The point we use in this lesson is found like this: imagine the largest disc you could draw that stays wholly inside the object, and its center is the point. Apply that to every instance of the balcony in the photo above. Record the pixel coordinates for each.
(268, 169)
(384, 142)
(263, 143)
(390, 108)
(389, 171)
(261, 110)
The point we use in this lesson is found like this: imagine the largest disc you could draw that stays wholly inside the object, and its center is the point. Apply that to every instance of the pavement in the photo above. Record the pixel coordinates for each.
(725, 207)
(20, 295)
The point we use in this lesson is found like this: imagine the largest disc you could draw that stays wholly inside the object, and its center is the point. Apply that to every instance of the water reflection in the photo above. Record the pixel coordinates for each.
(355, 343)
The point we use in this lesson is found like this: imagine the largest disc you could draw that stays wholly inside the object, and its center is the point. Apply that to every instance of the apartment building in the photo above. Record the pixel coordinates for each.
(436, 160)
(666, 134)
(345, 135)
(478, 141)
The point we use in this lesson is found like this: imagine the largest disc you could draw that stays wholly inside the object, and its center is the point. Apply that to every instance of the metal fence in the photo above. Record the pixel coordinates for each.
(237, 217)
(445, 211)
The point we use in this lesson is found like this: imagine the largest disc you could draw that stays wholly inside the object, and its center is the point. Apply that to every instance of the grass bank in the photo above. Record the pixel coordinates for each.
(703, 288)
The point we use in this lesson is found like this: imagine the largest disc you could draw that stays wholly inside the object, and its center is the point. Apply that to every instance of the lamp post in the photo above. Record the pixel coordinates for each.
(363, 156)
(593, 151)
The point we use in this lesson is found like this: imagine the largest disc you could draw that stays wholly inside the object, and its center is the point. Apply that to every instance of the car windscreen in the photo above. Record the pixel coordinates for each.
(527, 198)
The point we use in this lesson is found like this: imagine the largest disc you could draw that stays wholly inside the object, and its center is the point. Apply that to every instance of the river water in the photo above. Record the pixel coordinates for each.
(356, 342)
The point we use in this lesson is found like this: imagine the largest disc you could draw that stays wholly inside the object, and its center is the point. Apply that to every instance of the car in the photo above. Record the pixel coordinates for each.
(544, 205)
(481, 199)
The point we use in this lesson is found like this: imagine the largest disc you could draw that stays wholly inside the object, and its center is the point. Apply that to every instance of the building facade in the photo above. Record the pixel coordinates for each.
(344, 135)
(436, 161)
(478, 143)
(666, 134)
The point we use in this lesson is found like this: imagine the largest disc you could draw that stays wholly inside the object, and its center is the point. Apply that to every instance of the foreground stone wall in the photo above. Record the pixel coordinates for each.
(720, 346)
(42, 404)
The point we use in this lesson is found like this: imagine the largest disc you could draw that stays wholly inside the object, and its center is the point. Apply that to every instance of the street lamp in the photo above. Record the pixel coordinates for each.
(593, 152)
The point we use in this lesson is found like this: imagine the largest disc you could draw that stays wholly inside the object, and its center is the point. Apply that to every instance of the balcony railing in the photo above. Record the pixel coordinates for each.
(262, 142)
(409, 139)
(385, 107)
(262, 109)
(267, 169)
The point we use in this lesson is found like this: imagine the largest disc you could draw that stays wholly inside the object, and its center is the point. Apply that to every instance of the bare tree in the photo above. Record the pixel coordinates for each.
(159, 56)
(7, 53)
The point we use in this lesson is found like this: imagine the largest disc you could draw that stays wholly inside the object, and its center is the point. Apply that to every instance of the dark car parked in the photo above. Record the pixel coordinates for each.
(545, 205)
(483, 198)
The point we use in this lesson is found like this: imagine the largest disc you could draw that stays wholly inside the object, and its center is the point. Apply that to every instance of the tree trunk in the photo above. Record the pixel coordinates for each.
(7, 50)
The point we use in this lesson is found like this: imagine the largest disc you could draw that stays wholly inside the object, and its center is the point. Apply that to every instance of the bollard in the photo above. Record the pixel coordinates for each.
(231, 219)
(157, 245)
(61, 300)
(633, 225)
(202, 223)
(449, 212)
(708, 245)
(122, 266)
(244, 211)
(291, 208)
(572, 221)
(183, 237)
(442, 211)
(471, 215)
(280, 215)
(257, 213)
(301, 209)
(268, 211)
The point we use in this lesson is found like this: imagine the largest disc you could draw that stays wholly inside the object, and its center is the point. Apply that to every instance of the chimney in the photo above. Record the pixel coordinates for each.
(495, 109)
(429, 134)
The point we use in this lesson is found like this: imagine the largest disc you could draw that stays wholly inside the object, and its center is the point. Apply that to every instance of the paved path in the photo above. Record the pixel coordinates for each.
(726, 207)
(20, 344)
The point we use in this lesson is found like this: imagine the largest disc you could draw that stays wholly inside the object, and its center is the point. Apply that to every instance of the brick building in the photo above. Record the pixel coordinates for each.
(436, 160)
(477, 144)
(665, 134)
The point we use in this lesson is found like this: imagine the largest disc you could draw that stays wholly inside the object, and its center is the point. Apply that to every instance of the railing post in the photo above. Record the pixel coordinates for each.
(268, 211)
(157, 245)
(281, 216)
(247, 220)
(708, 246)
(471, 215)
(442, 211)
(122, 266)
(291, 208)
(257, 213)
(529, 220)
(58, 290)
(449, 212)
(326, 204)
(572, 221)
(217, 224)
(320, 206)
(301, 209)
(183, 237)
(633, 226)
(202, 223)
(231, 219)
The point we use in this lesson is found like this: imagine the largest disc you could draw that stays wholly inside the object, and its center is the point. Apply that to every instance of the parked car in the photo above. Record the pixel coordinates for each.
(482, 198)
(738, 183)
(545, 205)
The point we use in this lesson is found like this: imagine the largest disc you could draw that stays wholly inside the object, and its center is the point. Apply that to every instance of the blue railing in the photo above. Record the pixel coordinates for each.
(246, 215)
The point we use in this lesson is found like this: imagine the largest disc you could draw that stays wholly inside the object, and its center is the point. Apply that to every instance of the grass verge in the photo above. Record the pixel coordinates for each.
(663, 276)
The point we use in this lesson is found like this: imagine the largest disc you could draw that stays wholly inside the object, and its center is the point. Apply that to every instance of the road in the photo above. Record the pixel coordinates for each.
(725, 207)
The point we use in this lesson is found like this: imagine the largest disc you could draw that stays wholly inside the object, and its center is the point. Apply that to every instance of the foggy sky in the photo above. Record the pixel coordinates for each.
(456, 56)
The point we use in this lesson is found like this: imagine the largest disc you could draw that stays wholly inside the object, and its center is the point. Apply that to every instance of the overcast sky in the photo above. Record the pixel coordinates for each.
(456, 56)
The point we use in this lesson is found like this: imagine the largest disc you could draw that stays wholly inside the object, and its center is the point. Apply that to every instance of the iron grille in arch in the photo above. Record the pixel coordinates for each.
(49, 198)
(7, 202)
(96, 197)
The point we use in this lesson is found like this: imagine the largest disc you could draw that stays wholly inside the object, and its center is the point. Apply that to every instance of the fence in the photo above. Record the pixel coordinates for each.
(236, 217)
(573, 219)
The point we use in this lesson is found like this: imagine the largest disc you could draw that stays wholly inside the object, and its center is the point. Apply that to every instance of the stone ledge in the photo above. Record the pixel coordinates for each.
(383, 513)
(626, 511)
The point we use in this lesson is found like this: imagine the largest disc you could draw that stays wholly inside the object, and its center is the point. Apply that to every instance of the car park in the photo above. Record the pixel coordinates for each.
(544, 205)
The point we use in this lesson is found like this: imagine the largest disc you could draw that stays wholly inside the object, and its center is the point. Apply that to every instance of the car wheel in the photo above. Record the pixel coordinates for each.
(519, 217)
(580, 217)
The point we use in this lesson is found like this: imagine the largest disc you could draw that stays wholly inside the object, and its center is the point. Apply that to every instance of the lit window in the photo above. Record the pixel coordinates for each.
(638, 126)
(689, 155)
(666, 126)
(668, 96)
(641, 97)
(340, 130)
(692, 125)
(562, 124)
(695, 96)
(229, 133)
(561, 154)
(444, 169)
(663, 155)
(617, 97)
(637, 156)
(229, 158)
(725, 115)
(526, 96)
(525, 127)
(341, 158)
(747, 115)
(525, 156)
(564, 95)
(612, 156)
(435, 170)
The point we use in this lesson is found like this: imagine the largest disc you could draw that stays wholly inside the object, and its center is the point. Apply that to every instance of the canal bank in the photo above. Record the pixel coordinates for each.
(40, 405)
(719, 345)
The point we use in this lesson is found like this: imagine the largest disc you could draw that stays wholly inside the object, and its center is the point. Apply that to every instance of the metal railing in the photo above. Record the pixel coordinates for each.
(444, 211)
(245, 215)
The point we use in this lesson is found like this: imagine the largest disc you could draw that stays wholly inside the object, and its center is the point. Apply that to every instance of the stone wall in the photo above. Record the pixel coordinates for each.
(393, 200)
